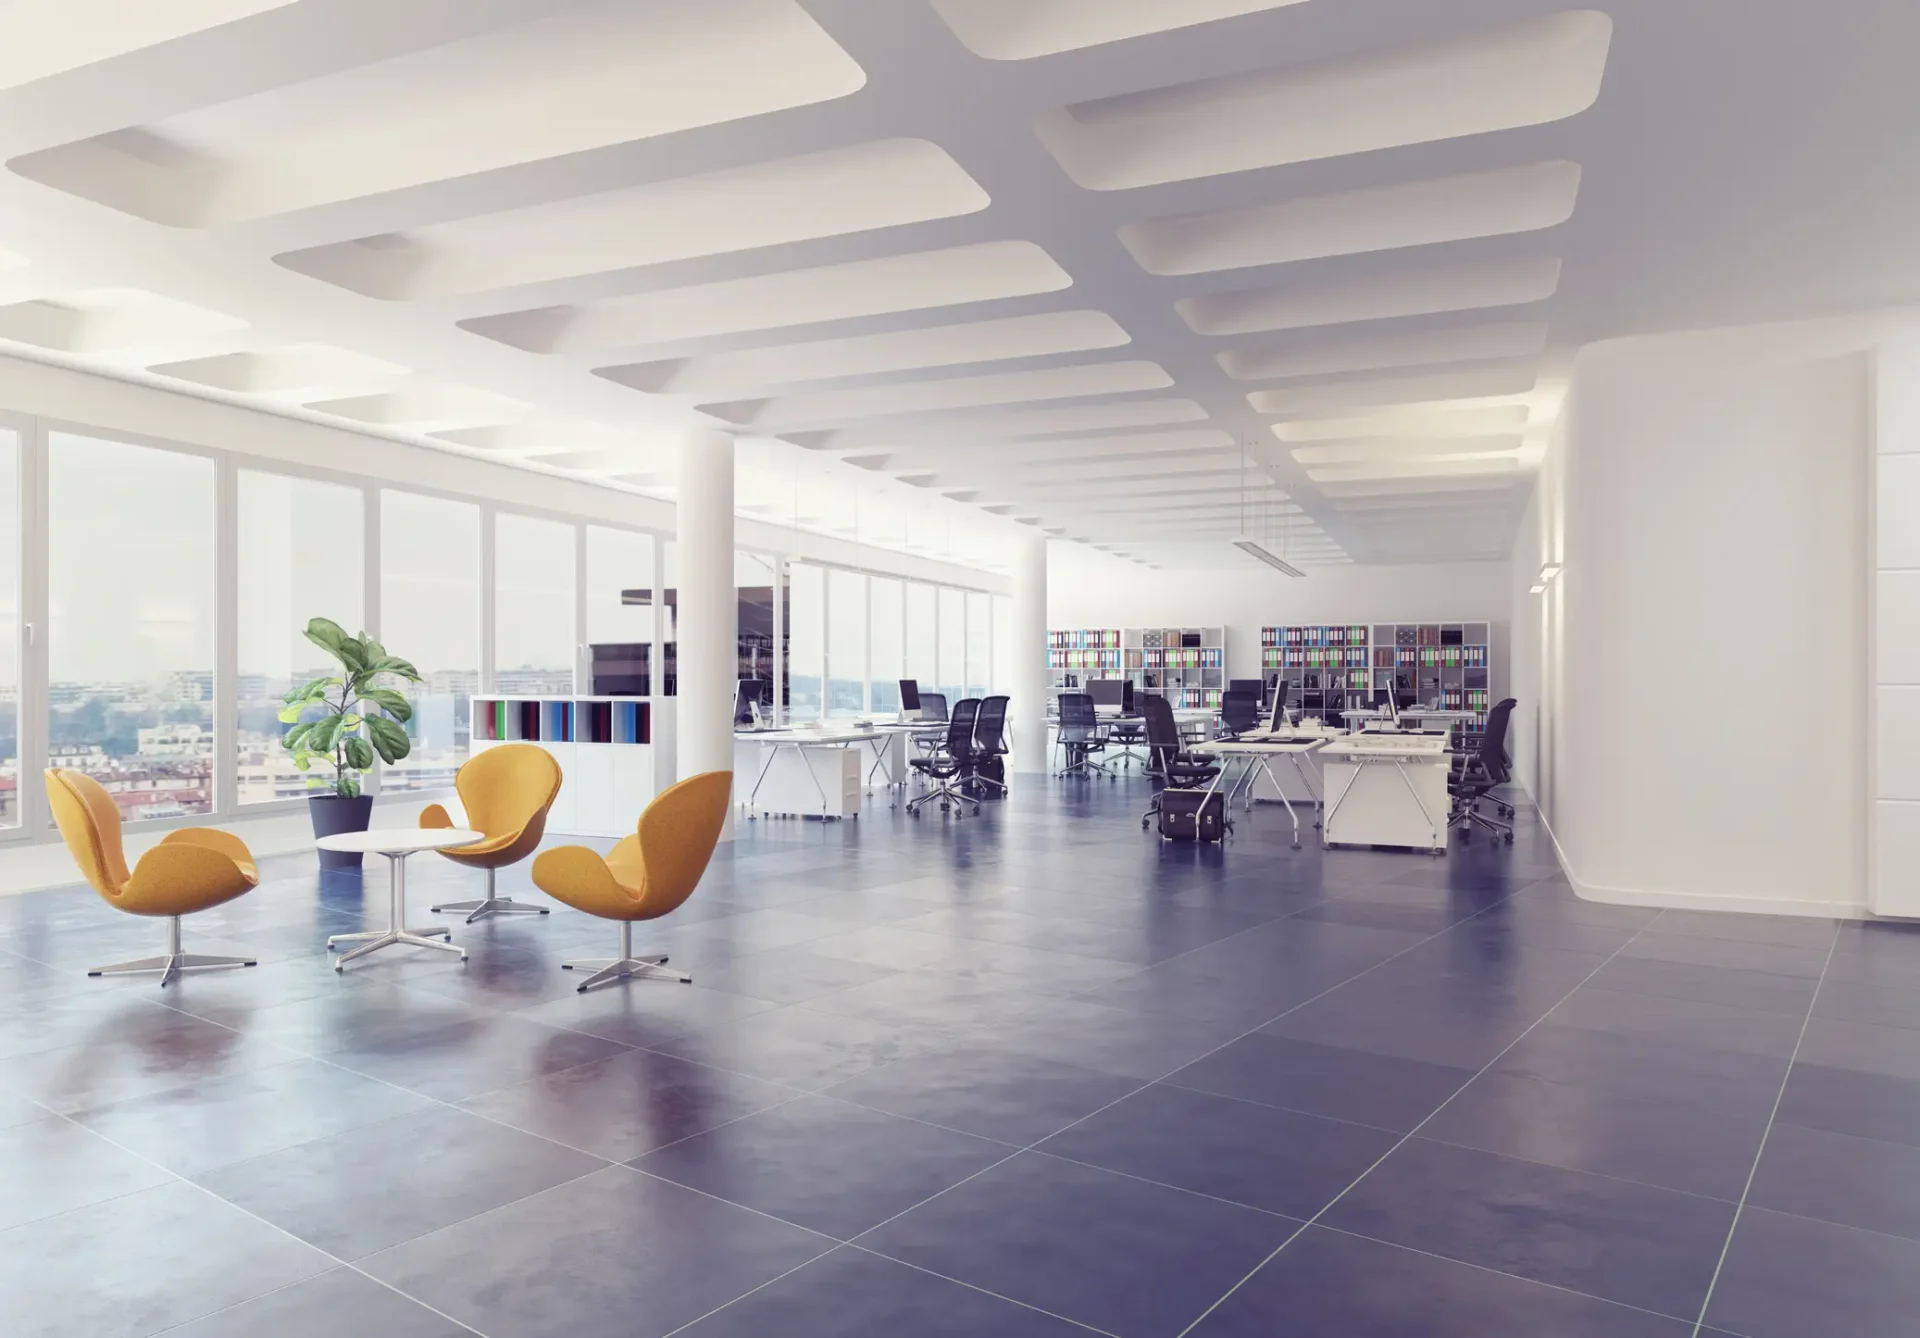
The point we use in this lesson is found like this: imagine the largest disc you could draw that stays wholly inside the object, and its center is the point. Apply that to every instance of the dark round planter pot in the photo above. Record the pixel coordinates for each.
(333, 815)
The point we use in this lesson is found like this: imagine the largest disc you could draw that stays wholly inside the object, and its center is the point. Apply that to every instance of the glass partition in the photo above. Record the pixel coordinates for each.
(303, 543)
(430, 614)
(533, 637)
(130, 652)
(806, 660)
(846, 643)
(886, 643)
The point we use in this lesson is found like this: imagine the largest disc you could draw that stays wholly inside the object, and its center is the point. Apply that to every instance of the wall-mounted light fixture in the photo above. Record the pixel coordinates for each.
(1538, 590)
(1548, 572)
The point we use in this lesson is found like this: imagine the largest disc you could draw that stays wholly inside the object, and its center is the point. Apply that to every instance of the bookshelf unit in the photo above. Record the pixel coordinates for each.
(1334, 667)
(1187, 664)
(1074, 656)
(615, 753)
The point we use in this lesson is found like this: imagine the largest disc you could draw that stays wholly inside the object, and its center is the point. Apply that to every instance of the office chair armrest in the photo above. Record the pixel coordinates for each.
(213, 839)
(433, 815)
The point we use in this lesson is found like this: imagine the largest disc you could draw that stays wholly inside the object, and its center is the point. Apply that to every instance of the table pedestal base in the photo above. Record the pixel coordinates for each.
(396, 932)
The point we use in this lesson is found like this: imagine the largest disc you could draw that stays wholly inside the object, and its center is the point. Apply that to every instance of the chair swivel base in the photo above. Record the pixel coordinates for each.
(487, 906)
(624, 968)
(170, 964)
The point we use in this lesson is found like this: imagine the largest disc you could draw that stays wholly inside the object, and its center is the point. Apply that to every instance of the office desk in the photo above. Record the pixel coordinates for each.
(1386, 790)
(804, 772)
(890, 748)
(1255, 753)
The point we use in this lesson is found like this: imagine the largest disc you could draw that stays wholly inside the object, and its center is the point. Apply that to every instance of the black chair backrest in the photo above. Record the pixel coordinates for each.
(933, 706)
(1162, 730)
(966, 712)
(1077, 709)
(1239, 710)
(990, 730)
(1493, 743)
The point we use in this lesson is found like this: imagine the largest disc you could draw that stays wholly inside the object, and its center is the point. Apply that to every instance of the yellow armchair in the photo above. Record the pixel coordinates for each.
(507, 792)
(647, 875)
(190, 870)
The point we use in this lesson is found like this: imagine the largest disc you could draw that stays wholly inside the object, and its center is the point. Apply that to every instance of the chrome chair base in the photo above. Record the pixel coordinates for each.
(625, 968)
(487, 906)
(946, 791)
(170, 964)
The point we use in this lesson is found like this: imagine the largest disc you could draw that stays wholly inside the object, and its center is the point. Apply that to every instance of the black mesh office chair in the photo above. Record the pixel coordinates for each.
(1239, 713)
(944, 768)
(1080, 735)
(933, 706)
(1479, 773)
(1181, 770)
(984, 770)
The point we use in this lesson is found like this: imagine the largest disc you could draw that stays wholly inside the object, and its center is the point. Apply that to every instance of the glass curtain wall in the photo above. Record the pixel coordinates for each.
(430, 614)
(886, 643)
(953, 644)
(533, 572)
(846, 643)
(619, 612)
(10, 619)
(922, 637)
(130, 651)
(304, 557)
(979, 644)
(1002, 644)
(807, 640)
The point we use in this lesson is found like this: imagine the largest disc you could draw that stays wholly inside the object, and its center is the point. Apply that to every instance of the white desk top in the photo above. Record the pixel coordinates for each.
(1268, 744)
(807, 736)
(910, 726)
(399, 840)
(1390, 747)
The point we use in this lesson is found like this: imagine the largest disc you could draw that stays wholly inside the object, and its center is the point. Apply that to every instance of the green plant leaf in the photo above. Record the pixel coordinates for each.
(347, 786)
(326, 634)
(399, 668)
(393, 703)
(359, 753)
(313, 688)
(324, 733)
(295, 738)
(391, 741)
(292, 711)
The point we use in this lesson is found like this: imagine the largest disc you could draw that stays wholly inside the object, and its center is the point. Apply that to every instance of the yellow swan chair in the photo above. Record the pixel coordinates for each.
(646, 876)
(507, 792)
(191, 870)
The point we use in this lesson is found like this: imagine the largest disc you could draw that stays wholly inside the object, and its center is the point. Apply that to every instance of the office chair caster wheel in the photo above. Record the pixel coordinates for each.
(976, 810)
(1509, 838)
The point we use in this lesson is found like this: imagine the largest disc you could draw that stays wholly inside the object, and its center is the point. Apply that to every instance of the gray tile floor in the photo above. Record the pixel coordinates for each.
(1033, 1073)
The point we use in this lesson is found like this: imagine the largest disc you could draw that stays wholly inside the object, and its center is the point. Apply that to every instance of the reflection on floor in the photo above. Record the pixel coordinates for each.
(1034, 1073)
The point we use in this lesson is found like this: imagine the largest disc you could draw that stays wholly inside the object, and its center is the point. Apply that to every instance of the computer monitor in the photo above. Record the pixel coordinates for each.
(1107, 691)
(1253, 685)
(909, 694)
(1128, 705)
(1277, 721)
(749, 693)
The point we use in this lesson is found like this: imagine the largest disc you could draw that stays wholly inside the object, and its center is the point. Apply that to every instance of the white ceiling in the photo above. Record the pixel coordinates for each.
(1140, 273)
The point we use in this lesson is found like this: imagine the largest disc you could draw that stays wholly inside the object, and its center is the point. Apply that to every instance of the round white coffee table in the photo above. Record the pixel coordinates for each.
(396, 845)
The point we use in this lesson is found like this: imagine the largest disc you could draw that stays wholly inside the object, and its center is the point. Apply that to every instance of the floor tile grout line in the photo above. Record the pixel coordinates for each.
(1145, 1085)
(1726, 1246)
(1498, 1273)
(280, 1230)
(1411, 1133)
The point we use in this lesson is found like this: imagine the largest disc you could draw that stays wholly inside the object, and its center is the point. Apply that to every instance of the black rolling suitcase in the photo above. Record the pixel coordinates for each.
(1192, 815)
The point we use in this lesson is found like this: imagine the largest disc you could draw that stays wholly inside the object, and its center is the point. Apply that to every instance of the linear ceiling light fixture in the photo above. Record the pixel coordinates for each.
(1258, 547)
(1538, 590)
(1548, 572)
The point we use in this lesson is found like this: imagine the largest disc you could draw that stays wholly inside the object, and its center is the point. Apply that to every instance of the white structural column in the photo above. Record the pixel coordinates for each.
(708, 604)
(1028, 710)
(1893, 706)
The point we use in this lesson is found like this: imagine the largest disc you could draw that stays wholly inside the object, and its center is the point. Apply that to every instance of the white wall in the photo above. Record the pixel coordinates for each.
(1700, 663)
(1088, 588)
(1893, 734)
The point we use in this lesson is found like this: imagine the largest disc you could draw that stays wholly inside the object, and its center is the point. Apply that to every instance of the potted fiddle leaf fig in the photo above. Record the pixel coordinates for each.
(340, 722)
